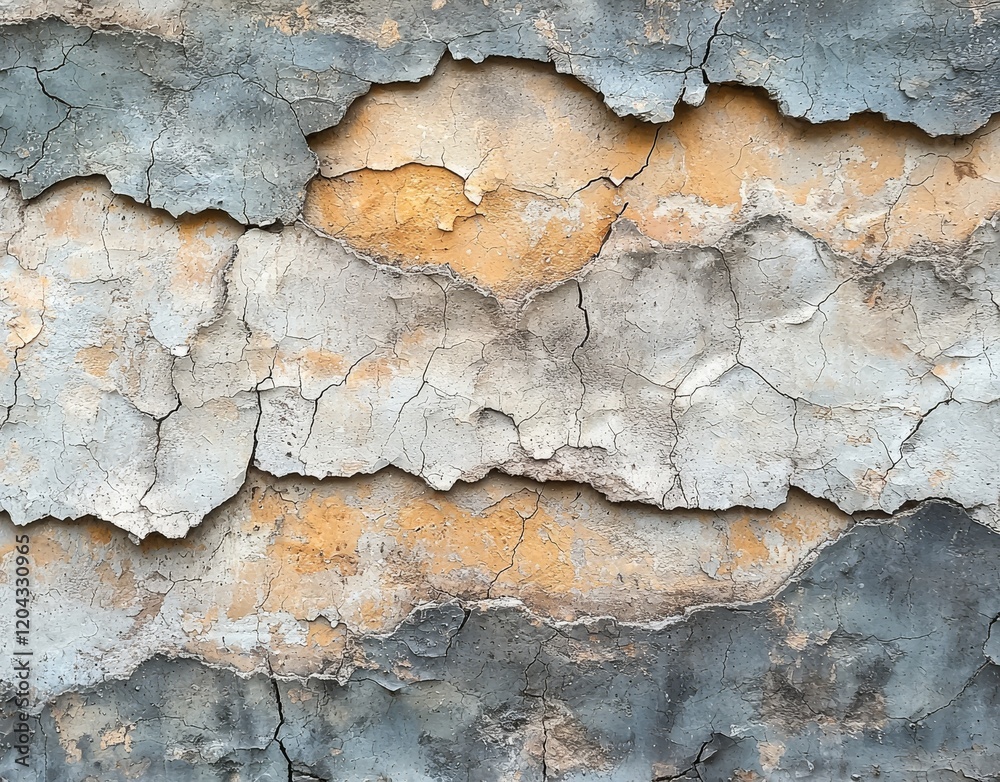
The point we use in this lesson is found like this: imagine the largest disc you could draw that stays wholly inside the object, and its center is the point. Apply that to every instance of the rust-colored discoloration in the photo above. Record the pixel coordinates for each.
(292, 569)
(198, 237)
(567, 560)
(65, 714)
(95, 360)
(493, 124)
(455, 549)
(757, 539)
(293, 22)
(100, 534)
(432, 174)
(416, 216)
(114, 737)
(865, 186)
(506, 172)
(322, 534)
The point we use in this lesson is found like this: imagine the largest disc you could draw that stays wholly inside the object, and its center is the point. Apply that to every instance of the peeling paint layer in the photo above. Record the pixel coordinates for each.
(290, 574)
(208, 105)
(672, 375)
(417, 392)
(535, 183)
(510, 244)
(871, 665)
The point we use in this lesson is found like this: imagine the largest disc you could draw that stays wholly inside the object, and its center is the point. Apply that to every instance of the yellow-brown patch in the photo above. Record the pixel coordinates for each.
(512, 242)
(322, 534)
(502, 186)
(95, 360)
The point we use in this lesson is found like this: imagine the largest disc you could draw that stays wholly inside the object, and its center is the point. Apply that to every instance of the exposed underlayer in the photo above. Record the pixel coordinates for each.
(419, 392)
(206, 104)
(288, 575)
(150, 361)
(877, 662)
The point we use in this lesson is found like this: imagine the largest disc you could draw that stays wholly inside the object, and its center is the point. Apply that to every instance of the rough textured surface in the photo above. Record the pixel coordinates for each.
(678, 376)
(871, 665)
(289, 574)
(873, 191)
(207, 105)
(413, 392)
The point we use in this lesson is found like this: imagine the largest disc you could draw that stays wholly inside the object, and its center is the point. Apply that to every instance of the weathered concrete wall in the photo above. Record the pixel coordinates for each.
(877, 663)
(289, 573)
(499, 391)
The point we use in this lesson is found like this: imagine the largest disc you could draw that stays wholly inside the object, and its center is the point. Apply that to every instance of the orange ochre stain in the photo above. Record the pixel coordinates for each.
(198, 258)
(382, 553)
(865, 186)
(96, 360)
(510, 243)
(321, 534)
(309, 564)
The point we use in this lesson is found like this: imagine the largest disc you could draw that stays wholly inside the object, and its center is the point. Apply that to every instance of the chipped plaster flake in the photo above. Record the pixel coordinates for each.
(365, 481)
(510, 244)
(210, 108)
(548, 136)
(101, 297)
(913, 61)
(677, 377)
(149, 361)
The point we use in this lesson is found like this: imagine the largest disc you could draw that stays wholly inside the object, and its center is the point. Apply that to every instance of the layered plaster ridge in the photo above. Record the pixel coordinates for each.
(734, 372)
(883, 643)
(221, 99)
(626, 318)
(290, 574)
(501, 391)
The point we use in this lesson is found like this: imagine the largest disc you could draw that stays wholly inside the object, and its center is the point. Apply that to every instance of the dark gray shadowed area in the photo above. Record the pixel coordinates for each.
(869, 666)
(219, 118)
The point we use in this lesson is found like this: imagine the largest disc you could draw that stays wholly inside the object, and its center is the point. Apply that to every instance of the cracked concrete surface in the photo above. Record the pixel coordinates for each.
(869, 665)
(680, 376)
(514, 391)
(208, 104)
(287, 576)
